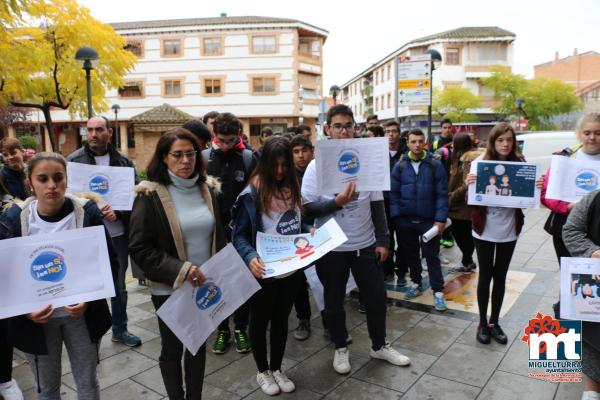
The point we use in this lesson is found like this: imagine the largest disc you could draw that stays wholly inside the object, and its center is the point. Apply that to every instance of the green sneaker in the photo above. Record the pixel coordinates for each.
(222, 343)
(241, 341)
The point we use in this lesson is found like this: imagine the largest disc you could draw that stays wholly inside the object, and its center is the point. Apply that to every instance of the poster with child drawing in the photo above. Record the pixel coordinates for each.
(287, 253)
(504, 184)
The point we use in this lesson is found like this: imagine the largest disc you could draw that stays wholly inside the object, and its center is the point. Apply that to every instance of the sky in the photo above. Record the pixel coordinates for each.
(363, 32)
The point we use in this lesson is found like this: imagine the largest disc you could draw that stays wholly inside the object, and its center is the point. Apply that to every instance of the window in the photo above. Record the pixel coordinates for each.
(310, 47)
(172, 87)
(264, 44)
(212, 87)
(389, 99)
(264, 85)
(132, 90)
(171, 48)
(212, 46)
(452, 56)
(136, 47)
(377, 104)
(389, 72)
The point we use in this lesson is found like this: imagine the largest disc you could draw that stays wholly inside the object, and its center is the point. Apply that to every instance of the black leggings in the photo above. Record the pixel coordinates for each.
(6, 353)
(461, 230)
(492, 267)
(272, 303)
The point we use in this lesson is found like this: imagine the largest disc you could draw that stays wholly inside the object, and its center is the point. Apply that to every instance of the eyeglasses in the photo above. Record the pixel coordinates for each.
(97, 129)
(340, 127)
(178, 155)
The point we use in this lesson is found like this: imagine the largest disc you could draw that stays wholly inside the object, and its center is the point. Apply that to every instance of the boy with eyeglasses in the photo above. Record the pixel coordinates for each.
(362, 218)
(230, 161)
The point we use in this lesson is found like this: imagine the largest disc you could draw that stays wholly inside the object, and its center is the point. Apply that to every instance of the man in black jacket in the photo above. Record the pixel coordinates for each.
(98, 151)
(229, 160)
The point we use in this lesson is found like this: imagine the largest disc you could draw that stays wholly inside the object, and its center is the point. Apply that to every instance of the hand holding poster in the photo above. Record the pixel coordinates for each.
(194, 313)
(60, 269)
(504, 184)
(580, 288)
(113, 184)
(571, 178)
(286, 253)
(364, 161)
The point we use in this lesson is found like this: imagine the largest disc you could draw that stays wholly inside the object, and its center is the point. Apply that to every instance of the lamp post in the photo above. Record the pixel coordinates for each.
(300, 105)
(520, 103)
(88, 58)
(333, 92)
(116, 108)
(436, 60)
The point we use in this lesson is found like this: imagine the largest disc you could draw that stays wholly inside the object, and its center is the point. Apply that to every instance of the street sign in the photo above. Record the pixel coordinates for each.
(414, 80)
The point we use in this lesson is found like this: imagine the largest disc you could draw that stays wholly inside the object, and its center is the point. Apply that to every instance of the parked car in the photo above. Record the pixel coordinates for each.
(537, 147)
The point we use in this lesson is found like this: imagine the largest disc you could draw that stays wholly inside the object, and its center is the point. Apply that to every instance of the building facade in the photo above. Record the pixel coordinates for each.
(267, 71)
(467, 55)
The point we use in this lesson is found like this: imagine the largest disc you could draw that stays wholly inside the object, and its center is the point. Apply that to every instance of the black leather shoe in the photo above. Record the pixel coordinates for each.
(498, 334)
(483, 334)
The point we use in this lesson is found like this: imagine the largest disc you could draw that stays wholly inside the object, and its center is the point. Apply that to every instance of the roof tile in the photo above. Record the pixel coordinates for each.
(162, 114)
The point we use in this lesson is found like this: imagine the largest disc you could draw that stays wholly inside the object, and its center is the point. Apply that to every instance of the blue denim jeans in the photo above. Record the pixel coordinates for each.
(119, 302)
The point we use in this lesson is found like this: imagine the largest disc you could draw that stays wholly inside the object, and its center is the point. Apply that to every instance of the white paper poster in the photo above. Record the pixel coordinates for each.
(504, 184)
(194, 313)
(60, 269)
(113, 184)
(286, 253)
(572, 179)
(364, 161)
(580, 288)
(317, 289)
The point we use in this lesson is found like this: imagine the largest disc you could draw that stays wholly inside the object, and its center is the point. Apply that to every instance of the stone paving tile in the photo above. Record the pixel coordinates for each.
(66, 393)
(317, 372)
(301, 393)
(147, 306)
(516, 359)
(431, 387)
(504, 386)
(130, 390)
(301, 350)
(152, 379)
(448, 320)
(427, 337)
(117, 368)
(210, 392)
(468, 337)
(150, 324)
(393, 377)
(466, 364)
(359, 390)
(149, 348)
(404, 317)
(569, 391)
(22, 374)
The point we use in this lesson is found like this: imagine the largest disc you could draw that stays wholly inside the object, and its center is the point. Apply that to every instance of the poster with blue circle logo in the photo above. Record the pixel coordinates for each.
(99, 184)
(49, 266)
(572, 178)
(505, 184)
(363, 161)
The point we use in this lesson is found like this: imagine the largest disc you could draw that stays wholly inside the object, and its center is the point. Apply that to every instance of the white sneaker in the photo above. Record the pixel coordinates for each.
(341, 360)
(390, 355)
(267, 383)
(10, 390)
(590, 395)
(285, 384)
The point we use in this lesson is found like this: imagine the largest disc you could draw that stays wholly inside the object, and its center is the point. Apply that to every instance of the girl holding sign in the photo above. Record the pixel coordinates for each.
(495, 232)
(41, 335)
(271, 204)
(174, 228)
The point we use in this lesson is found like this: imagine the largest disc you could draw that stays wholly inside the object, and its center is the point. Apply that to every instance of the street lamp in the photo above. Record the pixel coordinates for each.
(300, 104)
(88, 59)
(116, 108)
(333, 92)
(436, 60)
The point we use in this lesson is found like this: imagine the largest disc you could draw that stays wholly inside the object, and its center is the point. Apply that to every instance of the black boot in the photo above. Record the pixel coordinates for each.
(498, 334)
(173, 378)
(483, 334)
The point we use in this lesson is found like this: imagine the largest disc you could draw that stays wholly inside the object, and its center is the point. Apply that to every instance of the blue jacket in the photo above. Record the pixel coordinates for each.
(29, 336)
(423, 196)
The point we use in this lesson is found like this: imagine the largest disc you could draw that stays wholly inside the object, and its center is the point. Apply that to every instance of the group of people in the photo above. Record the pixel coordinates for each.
(206, 188)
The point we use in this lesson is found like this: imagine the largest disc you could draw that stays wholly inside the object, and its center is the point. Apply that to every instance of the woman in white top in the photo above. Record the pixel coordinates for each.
(495, 232)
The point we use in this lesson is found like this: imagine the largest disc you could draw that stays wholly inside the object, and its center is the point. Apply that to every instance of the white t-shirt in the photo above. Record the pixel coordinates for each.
(103, 160)
(354, 218)
(393, 153)
(581, 155)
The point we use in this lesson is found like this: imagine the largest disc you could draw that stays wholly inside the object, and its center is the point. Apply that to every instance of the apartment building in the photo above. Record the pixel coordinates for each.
(265, 70)
(467, 55)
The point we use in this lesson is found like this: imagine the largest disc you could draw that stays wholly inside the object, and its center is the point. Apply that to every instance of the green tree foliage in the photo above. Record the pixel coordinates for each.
(28, 142)
(544, 98)
(38, 68)
(456, 103)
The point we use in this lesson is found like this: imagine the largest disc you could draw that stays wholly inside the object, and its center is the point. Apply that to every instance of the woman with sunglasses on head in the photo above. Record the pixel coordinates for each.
(41, 334)
(174, 228)
(271, 204)
(495, 232)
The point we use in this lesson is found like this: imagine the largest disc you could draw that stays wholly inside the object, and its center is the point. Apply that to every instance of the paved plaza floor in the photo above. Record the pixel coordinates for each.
(447, 361)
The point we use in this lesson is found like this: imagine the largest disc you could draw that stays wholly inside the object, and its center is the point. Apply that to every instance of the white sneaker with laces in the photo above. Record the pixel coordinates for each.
(341, 360)
(267, 383)
(285, 383)
(389, 354)
(10, 390)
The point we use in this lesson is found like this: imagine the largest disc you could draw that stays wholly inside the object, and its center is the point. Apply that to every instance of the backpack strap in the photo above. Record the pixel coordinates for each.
(247, 156)
(206, 156)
